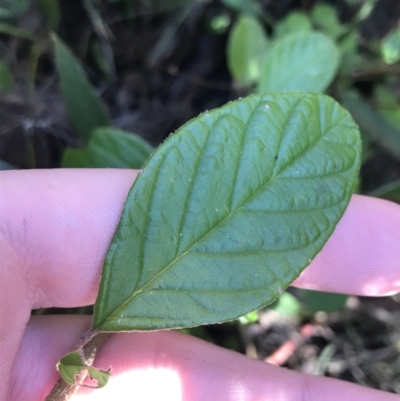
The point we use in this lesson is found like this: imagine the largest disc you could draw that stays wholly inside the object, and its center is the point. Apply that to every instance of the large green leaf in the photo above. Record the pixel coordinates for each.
(247, 48)
(303, 61)
(109, 147)
(85, 109)
(228, 212)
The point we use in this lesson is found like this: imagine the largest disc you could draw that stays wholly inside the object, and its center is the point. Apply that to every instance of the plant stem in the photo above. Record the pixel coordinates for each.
(90, 344)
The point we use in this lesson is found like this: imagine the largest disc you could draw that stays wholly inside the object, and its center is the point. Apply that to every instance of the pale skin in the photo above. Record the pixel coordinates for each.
(55, 227)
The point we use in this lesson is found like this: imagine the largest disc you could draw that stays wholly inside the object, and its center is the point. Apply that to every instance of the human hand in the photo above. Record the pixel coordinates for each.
(55, 227)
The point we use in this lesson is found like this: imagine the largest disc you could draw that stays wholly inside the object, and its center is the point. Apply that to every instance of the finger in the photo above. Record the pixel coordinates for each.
(363, 255)
(59, 223)
(170, 366)
(54, 230)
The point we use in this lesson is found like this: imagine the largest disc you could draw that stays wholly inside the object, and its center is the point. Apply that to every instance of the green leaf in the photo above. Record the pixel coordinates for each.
(304, 61)
(387, 105)
(248, 318)
(85, 109)
(228, 212)
(372, 123)
(51, 10)
(318, 301)
(389, 191)
(71, 365)
(109, 147)
(6, 78)
(294, 22)
(247, 48)
(8, 29)
(391, 47)
(249, 7)
(324, 16)
(287, 305)
(350, 57)
(13, 8)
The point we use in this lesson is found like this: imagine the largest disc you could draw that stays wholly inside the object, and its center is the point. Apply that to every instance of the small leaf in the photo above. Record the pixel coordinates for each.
(71, 366)
(294, 22)
(287, 305)
(316, 301)
(85, 109)
(247, 48)
(391, 47)
(109, 147)
(228, 212)
(305, 61)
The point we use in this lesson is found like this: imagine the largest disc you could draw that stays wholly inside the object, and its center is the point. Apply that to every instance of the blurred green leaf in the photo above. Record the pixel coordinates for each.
(6, 78)
(388, 105)
(294, 22)
(13, 8)
(391, 47)
(350, 56)
(250, 7)
(51, 10)
(85, 108)
(324, 17)
(373, 123)
(8, 29)
(324, 359)
(250, 317)
(247, 47)
(366, 9)
(318, 301)
(220, 23)
(306, 61)
(109, 147)
(287, 305)
(389, 191)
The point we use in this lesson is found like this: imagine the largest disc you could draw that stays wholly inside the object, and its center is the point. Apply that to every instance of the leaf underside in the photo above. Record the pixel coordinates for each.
(228, 212)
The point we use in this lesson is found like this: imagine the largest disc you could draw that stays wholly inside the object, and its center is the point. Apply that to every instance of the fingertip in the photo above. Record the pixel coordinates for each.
(59, 223)
(362, 256)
